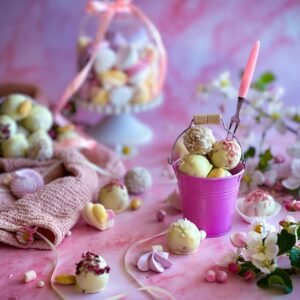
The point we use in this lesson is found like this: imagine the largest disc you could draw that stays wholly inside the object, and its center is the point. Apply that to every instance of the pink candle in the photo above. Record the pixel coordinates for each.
(249, 70)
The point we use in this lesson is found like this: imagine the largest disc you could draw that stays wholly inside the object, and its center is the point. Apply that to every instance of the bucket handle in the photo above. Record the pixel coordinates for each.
(200, 119)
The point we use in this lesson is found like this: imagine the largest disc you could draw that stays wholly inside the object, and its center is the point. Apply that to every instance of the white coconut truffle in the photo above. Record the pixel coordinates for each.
(8, 127)
(258, 203)
(17, 106)
(40, 117)
(195, 165)
(199, 140)
(138, 180)
(16, 146)
(183, 237)
(226, 154)
(114, 196)
(92, 273)
(40, 145)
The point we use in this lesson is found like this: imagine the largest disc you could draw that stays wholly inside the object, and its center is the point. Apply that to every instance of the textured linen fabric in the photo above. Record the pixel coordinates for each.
(54, 209)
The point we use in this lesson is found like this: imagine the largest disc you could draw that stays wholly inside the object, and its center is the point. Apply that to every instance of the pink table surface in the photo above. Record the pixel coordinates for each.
(203, 38)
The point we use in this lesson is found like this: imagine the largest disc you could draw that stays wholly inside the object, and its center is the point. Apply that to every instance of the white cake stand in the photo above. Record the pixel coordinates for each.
(120, 127)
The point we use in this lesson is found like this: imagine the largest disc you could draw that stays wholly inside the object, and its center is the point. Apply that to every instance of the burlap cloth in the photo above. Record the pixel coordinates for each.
(55, 208)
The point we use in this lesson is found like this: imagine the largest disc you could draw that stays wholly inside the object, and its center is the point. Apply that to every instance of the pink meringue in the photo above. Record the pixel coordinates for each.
(155, 260)
(26, 181)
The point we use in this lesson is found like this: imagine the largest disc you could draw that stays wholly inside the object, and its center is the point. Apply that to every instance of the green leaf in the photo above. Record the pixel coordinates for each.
(277, 279)
(298, 232)
(250, 152)
(286, 241)
(294, 255)
(264, 159)
(263, 81)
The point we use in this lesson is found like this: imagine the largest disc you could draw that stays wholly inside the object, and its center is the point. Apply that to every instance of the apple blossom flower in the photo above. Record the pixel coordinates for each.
(294, 150)
(224, 85)
(229, 257)
(261, 226)
(263, 251)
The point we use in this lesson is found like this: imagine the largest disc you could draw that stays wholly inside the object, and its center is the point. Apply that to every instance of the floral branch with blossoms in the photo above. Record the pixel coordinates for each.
(268, 256)
(263, 112)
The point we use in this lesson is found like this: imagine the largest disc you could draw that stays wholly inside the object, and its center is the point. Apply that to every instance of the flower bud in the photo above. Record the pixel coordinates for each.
(249, 275)
(279, 159)
(234, 268)
(239, 239)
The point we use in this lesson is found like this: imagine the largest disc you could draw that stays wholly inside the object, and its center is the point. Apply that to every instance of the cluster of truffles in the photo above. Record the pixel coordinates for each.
(208, 157)
(115, 195)
(23, 128)
(124, 72)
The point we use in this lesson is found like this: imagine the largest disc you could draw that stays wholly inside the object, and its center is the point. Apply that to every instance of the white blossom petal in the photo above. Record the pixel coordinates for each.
(295, 166)
(291, 183)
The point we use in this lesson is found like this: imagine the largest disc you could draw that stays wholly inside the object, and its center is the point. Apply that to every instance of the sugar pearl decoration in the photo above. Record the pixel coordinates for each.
(41, 284)
(135, 203)
(138, 180)
(69, 233)
(221, 276)
(160, 215)
(210, 276)
(29, 276)
(199, 140)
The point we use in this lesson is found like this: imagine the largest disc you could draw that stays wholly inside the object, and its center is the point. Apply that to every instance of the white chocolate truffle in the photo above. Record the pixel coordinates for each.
(114, 196)
(40, 117)
(218, 173)
(226, 154)
(92, 273)
(199, 140)
(138, 180)
(40, 145)
(183, 237)
(17, 106)
(8, 127)
(195, 165)
(258, 203)
(105, 60)
(16, 146)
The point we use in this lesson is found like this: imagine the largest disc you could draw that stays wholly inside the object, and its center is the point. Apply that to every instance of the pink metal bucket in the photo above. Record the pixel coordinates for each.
(208, 202)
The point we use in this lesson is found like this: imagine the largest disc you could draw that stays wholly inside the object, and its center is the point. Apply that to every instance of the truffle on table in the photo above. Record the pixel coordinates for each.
(183, 237)
(16, 146)
(114, 196)
(40, 145)
(138, 180)
(92, 273)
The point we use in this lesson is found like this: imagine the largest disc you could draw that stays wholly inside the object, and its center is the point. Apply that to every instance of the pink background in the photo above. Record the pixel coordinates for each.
(203, 38)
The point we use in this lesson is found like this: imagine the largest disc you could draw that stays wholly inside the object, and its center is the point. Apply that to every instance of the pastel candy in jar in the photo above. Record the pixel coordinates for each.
(105, 60)
(226, 154)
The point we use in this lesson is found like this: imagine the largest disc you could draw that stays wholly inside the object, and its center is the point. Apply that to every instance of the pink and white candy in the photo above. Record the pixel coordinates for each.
(155, 260)
(26, 181)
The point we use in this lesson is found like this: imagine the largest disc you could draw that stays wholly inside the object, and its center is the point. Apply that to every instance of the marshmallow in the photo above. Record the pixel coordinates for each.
(30, 276)
(41, 284)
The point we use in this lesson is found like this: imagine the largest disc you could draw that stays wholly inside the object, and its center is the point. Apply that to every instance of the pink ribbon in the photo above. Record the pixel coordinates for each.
(107, 10)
